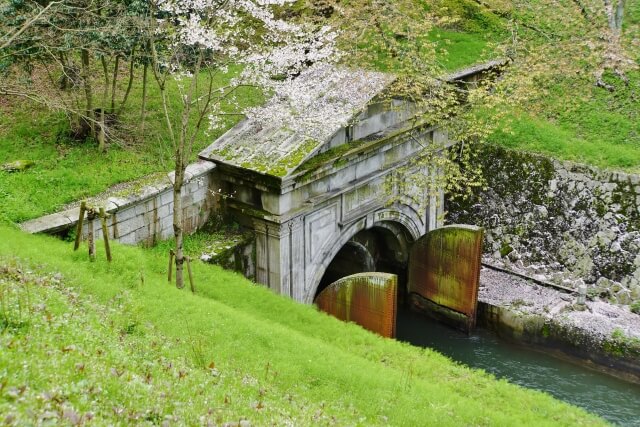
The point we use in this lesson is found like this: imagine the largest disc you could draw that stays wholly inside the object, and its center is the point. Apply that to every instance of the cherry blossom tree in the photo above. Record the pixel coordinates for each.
(192, 41)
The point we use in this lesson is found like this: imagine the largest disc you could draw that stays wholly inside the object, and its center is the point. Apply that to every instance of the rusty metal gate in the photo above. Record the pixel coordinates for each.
(444, 274)
(368, 299)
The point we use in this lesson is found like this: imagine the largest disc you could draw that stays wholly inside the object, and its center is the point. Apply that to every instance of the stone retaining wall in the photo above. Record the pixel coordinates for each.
(558, 221)
(146, 214)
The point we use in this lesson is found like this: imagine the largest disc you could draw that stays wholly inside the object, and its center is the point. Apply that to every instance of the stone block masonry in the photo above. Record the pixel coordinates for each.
(145, 215)
(558, 221)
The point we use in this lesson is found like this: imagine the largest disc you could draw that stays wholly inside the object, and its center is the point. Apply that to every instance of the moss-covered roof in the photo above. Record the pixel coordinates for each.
(298, 120)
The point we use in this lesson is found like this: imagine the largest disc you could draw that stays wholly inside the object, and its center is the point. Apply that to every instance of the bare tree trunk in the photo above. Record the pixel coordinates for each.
(101, 134)
(105, 94)
(143, 111)
(91, 215)
(129, 85)
(178, 230)
(88, 92)
(64, 79)
(114, 80)
(182, 142)
(182, 153)
(615, 14)
(619, 15)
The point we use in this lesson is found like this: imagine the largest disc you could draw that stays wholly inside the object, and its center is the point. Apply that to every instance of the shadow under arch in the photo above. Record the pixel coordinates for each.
(385, 244)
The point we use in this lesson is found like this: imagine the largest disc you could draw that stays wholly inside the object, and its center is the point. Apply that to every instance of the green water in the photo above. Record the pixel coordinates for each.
(615, 400)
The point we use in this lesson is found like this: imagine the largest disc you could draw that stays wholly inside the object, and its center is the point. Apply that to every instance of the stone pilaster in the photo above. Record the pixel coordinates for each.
(297, 265)
(276, 263)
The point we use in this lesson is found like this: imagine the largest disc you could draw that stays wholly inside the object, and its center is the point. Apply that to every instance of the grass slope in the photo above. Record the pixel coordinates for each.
(567, 116)
(65, 170)
(104, 344)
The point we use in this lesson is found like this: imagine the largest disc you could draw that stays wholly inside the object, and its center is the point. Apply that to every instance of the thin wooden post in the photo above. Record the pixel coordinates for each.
(193, 288)
(171, 255)
(83, 208)
(105, 233)
(91, 215)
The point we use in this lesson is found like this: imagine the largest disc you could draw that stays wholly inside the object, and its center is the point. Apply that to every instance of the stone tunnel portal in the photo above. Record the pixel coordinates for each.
(382, 248)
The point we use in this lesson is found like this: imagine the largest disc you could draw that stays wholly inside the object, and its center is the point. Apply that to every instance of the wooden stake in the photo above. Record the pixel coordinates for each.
(83, 208)
(105, 233)
(171, 255)
(91, 215)
(114, 225)
(193, 288)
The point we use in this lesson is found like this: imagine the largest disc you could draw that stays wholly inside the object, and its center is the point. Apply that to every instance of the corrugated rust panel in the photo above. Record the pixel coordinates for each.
(368, 299)
(444, 267)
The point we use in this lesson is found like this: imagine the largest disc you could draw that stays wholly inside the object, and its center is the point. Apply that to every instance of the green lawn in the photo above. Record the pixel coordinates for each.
(580, 122)
(458, 50)
(561, 140)
(99, 340)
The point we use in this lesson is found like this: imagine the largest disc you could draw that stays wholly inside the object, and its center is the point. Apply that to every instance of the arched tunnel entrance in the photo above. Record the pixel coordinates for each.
(382, 248)
(438, 274)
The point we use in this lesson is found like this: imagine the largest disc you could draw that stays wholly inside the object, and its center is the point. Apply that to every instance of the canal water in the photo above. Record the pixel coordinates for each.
(614, 400)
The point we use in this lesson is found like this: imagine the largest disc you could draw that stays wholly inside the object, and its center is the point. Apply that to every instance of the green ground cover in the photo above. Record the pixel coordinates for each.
(65, 170)
(564, 140)
(469, 38)
(97, 341)
(458, 50)
(570, 118)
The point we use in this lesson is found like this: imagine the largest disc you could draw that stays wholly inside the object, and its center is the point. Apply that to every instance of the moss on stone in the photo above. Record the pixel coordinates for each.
(546, 330)
(340, 153)
(625, 195)
(227, 153)
(293, 159)
(17, 166)
(136, 188)
(505, 250)
(620, 345)
(335, 153)
(263, 164)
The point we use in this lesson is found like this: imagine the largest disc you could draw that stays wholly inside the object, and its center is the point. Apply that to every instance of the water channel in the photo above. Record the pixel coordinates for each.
(614, 400)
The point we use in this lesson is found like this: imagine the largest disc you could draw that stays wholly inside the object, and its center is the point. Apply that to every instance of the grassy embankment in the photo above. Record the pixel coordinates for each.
(567, 117)
(95, 342)
(66, 170)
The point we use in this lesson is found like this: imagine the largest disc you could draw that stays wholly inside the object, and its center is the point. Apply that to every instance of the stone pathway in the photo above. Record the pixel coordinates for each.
(600, 319)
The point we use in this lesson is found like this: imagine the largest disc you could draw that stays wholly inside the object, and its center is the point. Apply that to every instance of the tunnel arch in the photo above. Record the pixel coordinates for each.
(391, 224)
(353, 257)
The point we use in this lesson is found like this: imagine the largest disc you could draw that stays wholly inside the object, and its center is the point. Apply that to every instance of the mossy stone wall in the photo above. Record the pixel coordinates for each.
(558, 221)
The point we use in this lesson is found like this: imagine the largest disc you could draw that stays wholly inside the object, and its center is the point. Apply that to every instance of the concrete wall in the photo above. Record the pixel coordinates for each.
(143, 215)
(558, 221)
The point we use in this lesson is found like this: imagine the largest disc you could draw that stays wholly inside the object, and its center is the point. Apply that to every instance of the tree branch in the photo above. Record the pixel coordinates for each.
(28, 24)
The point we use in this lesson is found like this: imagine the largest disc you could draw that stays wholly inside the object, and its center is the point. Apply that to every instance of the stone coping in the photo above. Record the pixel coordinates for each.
(62, 220)
(475, 69)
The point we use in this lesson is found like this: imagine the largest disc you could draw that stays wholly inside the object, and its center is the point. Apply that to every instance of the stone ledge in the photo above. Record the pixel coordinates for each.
(194, 170)
(50, 223)
(120, 206)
